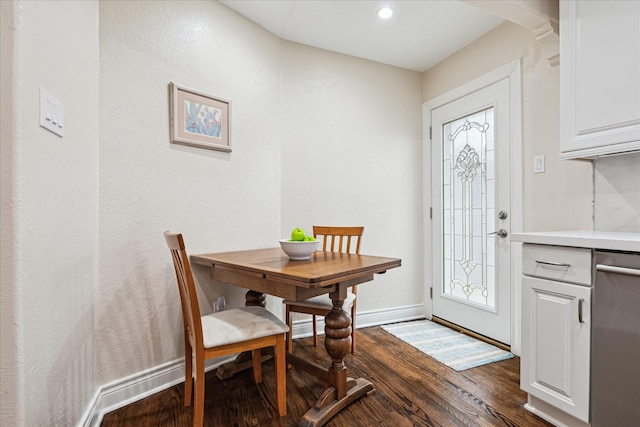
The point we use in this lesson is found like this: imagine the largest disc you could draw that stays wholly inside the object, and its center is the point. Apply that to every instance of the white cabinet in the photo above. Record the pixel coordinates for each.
(556, 328)
(599, 77)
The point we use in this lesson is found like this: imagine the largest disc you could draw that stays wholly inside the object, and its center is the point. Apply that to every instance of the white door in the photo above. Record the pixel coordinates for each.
(470, 190)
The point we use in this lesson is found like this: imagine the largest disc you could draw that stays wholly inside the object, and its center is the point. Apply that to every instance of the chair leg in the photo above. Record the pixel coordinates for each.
(198, 407)
(256, 359)
(290, 333)
(315, 332)
(281, 375)
(188, 373)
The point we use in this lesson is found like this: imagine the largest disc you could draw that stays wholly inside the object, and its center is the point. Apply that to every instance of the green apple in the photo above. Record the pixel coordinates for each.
(297, 234)
(309, 239)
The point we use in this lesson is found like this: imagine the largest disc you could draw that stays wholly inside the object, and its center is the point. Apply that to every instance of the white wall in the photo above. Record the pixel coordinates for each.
(219, 201)
(52, 209)
(11, 392)
(351, 150)
(295, 109)
(560, 198)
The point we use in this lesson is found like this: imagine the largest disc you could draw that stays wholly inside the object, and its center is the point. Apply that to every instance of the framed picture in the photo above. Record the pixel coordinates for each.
(199, 120)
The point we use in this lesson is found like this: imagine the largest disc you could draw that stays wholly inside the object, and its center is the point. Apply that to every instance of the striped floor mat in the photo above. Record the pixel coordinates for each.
(456, 350)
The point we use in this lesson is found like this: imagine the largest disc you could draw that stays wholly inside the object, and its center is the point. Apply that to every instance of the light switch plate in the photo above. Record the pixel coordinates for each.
(538, 164)
(51, 113)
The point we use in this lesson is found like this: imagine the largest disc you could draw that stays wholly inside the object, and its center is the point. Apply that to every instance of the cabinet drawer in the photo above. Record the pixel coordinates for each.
(572, 265)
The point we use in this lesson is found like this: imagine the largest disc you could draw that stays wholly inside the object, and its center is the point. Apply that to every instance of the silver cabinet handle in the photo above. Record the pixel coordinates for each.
(618, 270)
(580, 304)
(554, 264)
(501, 233)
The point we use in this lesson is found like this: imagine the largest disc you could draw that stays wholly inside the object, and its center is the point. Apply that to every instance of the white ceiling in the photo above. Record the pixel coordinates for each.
(420, 33)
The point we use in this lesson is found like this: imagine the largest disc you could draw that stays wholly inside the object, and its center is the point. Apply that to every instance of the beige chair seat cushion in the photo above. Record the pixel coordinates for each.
(323, 301)
(240, 324)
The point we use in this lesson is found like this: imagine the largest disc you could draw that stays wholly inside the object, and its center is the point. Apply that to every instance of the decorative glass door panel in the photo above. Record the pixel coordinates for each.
(468, 183)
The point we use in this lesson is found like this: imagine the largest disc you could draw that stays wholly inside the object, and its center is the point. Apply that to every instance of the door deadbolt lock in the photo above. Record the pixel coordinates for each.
(502, 215)
(501, 233)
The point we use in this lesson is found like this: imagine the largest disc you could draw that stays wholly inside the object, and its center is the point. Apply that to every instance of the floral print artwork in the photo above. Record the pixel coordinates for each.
(199, 120)
(202, 119)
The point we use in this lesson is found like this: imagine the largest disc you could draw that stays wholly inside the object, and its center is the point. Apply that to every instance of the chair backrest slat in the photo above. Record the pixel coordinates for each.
(187, 288)
(338, 234)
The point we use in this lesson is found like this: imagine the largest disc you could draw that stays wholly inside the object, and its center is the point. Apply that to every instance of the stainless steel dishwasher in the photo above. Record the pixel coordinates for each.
(615, 341)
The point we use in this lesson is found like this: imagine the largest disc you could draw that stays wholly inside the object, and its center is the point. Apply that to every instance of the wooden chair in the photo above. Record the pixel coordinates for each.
(223, 333)
(334, 239)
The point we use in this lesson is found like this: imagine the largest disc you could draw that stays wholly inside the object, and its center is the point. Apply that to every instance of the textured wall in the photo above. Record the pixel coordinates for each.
(219, 201)
(560, 198)
(351, 155)
(54, 257)
(11, 392)
(283, 123)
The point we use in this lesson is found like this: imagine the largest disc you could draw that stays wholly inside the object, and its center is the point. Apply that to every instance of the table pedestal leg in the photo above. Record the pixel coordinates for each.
(342, 390)
(243, 360)
(254, 298)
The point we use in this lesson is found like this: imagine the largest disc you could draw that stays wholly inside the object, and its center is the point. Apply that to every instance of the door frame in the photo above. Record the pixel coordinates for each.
(511, 71)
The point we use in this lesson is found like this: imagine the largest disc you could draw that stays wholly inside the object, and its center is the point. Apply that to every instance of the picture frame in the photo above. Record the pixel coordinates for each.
(199, 120)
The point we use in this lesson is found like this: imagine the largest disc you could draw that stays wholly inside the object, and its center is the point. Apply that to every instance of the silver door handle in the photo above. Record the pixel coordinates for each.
(617, 270)
(501, 233)
(554, 264)
(580, 304)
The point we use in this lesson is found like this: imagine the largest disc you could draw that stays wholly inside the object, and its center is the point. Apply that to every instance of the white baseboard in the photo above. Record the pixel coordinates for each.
(138, 386)
(143, 384)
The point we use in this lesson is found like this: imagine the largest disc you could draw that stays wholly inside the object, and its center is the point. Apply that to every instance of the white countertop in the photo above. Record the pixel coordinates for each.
(610, 240)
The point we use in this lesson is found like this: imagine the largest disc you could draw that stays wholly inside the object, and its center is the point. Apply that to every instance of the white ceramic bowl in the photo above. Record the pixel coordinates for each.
(299, 250)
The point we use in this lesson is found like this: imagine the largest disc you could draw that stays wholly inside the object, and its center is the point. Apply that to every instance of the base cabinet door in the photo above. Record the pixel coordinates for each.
(556, 344)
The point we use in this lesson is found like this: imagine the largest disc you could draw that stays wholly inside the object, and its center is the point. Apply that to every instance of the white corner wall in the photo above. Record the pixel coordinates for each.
(304, 122)
(11, 386)
(351, 155)
(561, 198)
(50, 212)
(219, 201)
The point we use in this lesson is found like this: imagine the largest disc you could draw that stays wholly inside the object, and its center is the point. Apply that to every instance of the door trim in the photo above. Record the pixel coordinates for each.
(512, 72)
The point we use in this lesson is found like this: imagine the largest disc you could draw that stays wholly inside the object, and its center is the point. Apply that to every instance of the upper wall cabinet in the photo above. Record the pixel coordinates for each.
(599, 77)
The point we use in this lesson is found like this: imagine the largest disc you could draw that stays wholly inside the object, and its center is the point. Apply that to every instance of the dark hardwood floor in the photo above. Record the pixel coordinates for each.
(412, 389)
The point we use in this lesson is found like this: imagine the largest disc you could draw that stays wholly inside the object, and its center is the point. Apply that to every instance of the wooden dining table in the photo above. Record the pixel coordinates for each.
(270, 271)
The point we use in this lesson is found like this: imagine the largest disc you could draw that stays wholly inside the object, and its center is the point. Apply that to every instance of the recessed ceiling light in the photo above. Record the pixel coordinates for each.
(385, 13)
